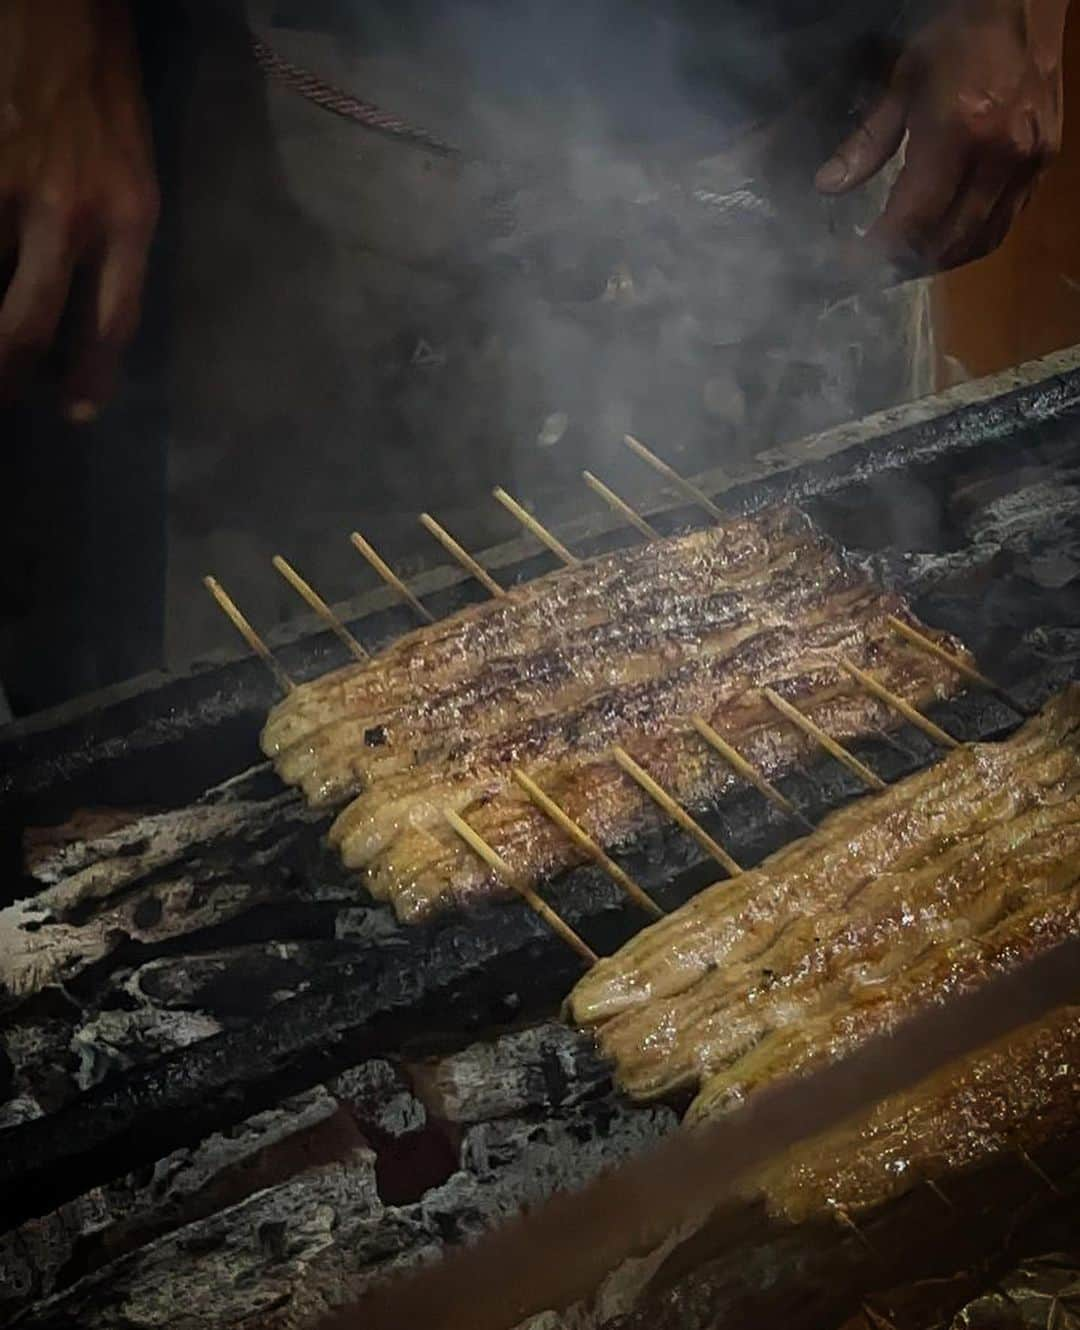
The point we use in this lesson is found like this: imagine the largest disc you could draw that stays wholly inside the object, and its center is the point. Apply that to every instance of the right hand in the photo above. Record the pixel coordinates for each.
(978, 95)
(78, 194)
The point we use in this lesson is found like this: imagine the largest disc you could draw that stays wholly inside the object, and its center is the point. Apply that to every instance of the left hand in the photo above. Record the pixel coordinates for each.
(78, 194)
(978, 93)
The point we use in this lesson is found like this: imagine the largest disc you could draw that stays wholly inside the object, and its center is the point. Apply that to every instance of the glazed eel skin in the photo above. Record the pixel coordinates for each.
(1019, 1093)
(625, 649)
(413, 859)
(565, 606)
(893, 904)
(670, 629)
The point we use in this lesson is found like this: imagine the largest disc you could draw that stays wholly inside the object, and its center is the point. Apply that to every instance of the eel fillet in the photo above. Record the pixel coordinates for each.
(532, 617)
(963, 795)
(624, 649)
(1018, 1093)
(892, 905)
(869, 1010)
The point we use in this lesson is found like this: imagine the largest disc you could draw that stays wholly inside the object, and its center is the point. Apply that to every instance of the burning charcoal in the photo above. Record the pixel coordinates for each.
(233, 983)
(20, 1109)
(1039, 1294)
(378, 1094)
(535, 1158)
(539, 1068)
(115, 1040)
(263, 1220)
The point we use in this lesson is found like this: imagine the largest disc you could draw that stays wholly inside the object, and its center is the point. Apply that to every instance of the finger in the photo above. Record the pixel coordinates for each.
(963, 230)
(984, 212)
(8, 230)
(910, 225)
(113, 304)
(864, 152)
(1025, 197)
(9, 249)
(1011, 204)
(35, 296)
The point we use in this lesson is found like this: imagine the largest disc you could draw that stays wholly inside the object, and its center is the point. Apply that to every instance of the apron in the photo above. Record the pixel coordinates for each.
(374, 330)
(362, 329)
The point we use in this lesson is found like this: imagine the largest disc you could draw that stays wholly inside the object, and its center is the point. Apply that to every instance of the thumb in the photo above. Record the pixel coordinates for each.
(865, 151)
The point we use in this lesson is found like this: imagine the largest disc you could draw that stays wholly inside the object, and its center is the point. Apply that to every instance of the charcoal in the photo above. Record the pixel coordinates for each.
(251, 1216)
(380, 1097)
(115, 1040)
(540, 1068)
(40, 1257)
(233, 1085)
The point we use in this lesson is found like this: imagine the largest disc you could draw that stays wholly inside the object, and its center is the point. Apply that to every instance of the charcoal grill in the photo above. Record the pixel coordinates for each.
(238, 973)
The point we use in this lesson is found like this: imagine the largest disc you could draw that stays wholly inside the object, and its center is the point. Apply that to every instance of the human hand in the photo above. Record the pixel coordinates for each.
(78, 195)
(978, 93)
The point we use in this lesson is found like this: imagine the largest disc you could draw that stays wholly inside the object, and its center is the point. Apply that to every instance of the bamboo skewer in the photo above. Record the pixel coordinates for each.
(830, 745)
(620, 506)
(669, 473)
(585, 842)
(321, 608)
(748, 771)
(941, 1196)
(845, 1221)
(961, 666)
(675, 810)
(495, 861)
(906, 710)
(877, 1320)
(1038, 1170)
(250, 636)
(447, 541)
(389, 576)
(540, 531)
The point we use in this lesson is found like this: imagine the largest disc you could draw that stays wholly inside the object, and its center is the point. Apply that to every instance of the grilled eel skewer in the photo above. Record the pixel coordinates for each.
(966, 792)
(397, 829)
(571, 665)
(719, 676)
(561, 607)
(867, 1010)
(865, 941)
(1019, 1092)
(893, 903)
(351, 753)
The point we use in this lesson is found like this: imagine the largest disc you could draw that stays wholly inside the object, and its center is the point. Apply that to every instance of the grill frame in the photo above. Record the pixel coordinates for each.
(51, 761)
(453, 978)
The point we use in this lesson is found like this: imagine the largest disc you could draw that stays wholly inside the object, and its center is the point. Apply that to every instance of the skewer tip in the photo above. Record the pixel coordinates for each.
(536, 527)
(585, 842)
(686, 487)
(238, 620)
(462, 555)
(388, 575)
(312, 599)
(675, 811)
(831, 745)
(620, 506)
(494, 861)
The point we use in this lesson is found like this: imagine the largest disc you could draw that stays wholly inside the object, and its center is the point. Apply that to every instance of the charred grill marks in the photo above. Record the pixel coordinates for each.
(625, 650)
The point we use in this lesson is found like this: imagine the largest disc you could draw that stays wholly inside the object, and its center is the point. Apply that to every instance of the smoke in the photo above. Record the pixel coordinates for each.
(629, 241)
(661, 250)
